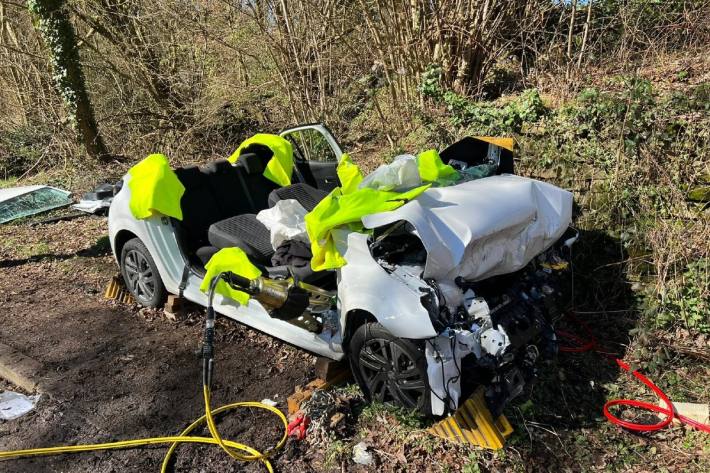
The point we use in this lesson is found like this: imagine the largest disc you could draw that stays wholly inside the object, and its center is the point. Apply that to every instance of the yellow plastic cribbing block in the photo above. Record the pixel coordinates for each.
(473, 423)
(116, 291)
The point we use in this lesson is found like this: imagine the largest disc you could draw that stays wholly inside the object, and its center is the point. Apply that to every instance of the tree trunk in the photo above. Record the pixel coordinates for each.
(58, 34)
(570, 36)
(585, 34)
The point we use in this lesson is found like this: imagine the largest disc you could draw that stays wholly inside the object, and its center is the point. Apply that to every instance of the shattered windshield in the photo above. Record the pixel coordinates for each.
(22, 202)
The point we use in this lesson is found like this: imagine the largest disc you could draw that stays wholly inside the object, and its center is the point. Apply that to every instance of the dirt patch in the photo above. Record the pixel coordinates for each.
(125, 373)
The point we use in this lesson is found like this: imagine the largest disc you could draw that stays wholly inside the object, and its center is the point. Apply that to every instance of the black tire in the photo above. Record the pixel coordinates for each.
(141, 274)
(390, 369)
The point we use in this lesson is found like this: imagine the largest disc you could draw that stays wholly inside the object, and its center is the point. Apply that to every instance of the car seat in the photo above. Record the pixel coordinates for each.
(219, 191)
(307, 196)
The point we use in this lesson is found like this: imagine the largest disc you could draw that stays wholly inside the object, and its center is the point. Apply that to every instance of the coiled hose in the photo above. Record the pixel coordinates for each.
(578, 344)
(236, 450)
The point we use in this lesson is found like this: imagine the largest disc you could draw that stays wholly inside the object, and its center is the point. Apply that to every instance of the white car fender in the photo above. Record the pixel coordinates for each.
(156, 233)
(364, 285)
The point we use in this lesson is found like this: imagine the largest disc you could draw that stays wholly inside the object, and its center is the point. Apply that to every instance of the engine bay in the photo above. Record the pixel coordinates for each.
(491, 332)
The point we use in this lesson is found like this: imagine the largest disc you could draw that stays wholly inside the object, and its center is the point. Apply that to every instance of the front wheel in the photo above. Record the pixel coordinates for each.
(390, 369)
(141, 274)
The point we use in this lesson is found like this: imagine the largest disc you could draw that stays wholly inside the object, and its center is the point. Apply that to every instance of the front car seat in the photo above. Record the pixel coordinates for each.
(245, 232)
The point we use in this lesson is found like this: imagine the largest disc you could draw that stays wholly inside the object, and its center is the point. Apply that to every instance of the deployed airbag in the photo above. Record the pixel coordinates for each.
(285, 221)
(485, 227)
(401, 174)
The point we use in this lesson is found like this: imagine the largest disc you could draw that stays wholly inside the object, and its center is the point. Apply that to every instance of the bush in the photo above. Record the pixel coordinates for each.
(595, 114)
(639, 152)
(484, 117)
(687, 299)
(21, 148)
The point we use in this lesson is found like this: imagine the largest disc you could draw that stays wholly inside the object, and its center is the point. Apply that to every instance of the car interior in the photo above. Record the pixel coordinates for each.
(474, 152)
(219, 207)
(221, 201)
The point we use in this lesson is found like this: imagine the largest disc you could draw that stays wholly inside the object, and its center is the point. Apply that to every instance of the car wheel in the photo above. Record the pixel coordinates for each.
(390, 369)
(141, 275)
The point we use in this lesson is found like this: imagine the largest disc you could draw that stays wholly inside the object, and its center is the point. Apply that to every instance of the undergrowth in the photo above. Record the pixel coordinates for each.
(637, 162)
(485, 117)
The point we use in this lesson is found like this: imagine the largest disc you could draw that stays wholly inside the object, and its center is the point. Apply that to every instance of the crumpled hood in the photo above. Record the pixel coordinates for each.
(485, 227)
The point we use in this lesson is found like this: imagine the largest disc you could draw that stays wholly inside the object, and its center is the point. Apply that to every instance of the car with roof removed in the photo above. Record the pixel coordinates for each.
(448, 283)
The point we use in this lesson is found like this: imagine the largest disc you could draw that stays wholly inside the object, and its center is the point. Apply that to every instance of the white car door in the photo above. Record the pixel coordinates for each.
(316, 155)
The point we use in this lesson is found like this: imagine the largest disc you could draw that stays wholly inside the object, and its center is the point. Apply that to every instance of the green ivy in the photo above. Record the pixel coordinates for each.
(688, 300)
(595, 113)
(51, 20)
(484, 117)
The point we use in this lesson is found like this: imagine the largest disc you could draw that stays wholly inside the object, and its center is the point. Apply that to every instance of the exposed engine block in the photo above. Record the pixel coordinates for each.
(491, 332)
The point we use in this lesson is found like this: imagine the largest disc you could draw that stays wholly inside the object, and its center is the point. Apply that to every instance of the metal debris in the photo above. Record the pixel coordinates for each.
(97, 201)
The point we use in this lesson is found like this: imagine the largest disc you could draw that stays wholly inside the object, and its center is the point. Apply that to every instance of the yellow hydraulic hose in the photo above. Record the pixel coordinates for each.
(236, 450)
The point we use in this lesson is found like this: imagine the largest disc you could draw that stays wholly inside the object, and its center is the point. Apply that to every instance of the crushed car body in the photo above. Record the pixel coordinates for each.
(483, 228)
(432, 276)
(469, 232)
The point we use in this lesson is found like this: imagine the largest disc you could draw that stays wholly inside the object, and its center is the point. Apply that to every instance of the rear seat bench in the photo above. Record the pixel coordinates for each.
(218, 191)
(220, 205)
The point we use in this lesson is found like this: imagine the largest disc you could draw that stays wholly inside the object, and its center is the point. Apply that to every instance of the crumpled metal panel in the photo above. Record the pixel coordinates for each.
(486, 227)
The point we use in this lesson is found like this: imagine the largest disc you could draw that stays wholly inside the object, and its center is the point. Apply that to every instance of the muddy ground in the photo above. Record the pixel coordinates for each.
(113, 372)
(117, 372)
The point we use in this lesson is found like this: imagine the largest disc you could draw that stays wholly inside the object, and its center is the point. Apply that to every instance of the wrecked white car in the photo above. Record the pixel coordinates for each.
(451, 290)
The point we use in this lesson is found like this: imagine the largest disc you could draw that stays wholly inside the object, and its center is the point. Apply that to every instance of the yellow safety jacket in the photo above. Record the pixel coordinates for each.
(280, 166)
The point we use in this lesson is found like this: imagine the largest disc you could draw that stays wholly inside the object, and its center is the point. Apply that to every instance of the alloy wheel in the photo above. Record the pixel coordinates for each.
(390, 373)
(139, 275)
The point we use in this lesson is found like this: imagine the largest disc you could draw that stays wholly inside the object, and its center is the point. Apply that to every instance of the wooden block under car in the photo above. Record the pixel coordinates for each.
(331, 371)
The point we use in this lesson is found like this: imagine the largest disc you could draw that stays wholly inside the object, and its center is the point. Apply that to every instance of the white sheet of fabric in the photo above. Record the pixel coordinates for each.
(285, 221)
(486, 227)
(400, 174)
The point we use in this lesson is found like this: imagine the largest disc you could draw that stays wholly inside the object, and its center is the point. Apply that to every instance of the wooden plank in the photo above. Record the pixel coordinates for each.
(19, 369)
(330, 370)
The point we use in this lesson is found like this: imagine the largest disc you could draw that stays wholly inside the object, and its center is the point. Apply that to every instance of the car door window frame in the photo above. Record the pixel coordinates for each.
(324, 131)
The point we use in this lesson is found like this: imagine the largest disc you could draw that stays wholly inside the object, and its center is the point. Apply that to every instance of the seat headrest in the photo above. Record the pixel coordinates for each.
(261, 154)
(252, 163)
(217, 167)
(190, 176)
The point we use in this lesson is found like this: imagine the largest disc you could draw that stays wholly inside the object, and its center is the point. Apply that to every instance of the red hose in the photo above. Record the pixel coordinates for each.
(580, 344)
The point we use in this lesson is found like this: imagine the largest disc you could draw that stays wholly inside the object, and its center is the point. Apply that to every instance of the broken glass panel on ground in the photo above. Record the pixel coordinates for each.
(18, 202)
